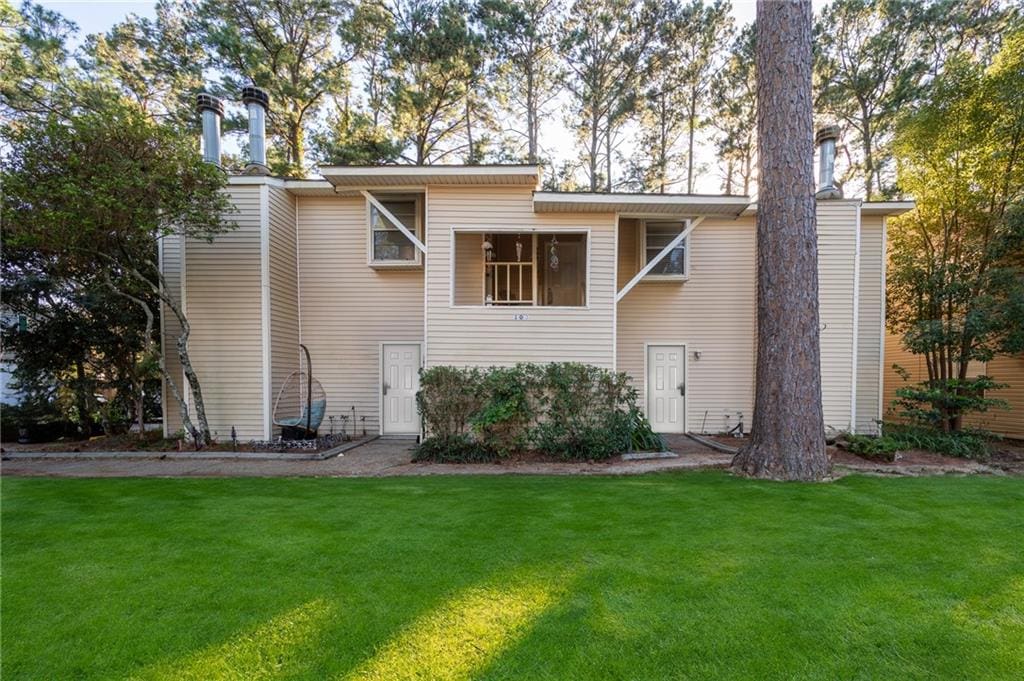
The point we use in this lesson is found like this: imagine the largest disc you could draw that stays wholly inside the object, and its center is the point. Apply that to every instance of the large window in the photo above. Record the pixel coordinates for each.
(388, 246)
(520, 269)
(658, 235)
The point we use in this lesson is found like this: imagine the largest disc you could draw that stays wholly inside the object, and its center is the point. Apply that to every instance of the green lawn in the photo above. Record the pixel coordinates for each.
(657, 577)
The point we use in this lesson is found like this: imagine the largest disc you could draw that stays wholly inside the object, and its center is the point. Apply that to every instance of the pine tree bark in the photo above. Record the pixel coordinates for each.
(788, 434)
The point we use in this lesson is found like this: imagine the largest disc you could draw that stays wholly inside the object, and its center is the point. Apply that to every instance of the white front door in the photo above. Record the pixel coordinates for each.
(666, 388)
(400, 381)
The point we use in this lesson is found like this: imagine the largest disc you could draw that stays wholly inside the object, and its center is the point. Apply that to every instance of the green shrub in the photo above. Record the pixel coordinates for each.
(967, 444)
(510, 403)
(568, 411)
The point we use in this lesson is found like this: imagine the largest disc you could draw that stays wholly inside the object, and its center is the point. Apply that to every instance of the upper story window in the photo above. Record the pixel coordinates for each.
(516, 269)
(387, 244)
(655, 236)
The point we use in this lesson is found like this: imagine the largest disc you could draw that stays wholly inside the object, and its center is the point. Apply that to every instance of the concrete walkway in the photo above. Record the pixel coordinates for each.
(381, 458)
(375, 459)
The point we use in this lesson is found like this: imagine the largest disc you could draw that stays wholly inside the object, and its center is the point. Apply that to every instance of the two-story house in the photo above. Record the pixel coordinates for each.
(379, 271)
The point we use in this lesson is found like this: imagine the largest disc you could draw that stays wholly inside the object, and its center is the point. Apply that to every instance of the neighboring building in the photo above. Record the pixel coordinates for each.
(1008, 369)
(9, 323)
(497, 272)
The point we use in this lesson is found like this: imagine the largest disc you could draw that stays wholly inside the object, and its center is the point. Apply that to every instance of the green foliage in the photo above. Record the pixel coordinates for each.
(676, 90)
(643, 438)
(567, 411)
(435, 69)
(896, 437)
(955, 285)
(869, 61)
(297, 50)
(930, 402)
(87, 200)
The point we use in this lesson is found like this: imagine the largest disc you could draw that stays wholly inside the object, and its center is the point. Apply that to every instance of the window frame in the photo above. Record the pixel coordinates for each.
(417, 259)
(642, 252)
(511, 309)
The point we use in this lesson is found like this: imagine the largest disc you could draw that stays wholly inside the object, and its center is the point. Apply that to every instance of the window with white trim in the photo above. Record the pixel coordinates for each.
(654, 237)
(388, 246)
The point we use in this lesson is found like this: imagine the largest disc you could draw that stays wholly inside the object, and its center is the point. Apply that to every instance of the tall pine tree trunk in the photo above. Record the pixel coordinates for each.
(788, 434)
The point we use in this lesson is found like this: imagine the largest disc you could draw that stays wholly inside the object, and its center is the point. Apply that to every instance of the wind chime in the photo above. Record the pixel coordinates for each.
(553, 254)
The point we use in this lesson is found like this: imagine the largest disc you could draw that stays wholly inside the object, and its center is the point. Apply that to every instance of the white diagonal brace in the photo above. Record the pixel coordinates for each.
(658, 258)
(395, 221)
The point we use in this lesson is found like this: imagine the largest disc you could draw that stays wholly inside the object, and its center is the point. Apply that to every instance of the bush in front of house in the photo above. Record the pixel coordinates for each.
(896, 437)
(567, 411)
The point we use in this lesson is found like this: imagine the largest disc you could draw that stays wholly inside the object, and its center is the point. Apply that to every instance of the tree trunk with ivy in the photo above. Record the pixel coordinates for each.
(788, 436)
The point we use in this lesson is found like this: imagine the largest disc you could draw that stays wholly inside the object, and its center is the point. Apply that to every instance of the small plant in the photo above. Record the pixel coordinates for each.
(642, 436)
(895, 437)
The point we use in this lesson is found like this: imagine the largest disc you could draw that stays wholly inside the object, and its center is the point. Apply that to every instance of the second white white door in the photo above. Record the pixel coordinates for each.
(400, 363)
(666, 388)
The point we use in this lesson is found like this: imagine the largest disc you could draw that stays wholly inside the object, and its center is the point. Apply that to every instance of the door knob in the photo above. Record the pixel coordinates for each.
(385, 386)
(682, 389)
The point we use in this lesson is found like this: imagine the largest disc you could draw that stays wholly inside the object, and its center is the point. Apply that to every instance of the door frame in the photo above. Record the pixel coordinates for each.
(686, 376)
(380, 380)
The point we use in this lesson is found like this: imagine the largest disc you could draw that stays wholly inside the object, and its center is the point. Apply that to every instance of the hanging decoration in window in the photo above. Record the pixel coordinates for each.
(553, 254)
(519, 248)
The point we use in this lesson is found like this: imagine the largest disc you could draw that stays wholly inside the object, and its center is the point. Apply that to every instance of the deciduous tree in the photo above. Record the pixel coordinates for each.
(96, 192)
(956, 275)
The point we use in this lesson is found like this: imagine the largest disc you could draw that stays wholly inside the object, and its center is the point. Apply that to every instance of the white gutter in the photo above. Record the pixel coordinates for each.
(691, 225)
(856, 326)
(268, 427)
(395, 221)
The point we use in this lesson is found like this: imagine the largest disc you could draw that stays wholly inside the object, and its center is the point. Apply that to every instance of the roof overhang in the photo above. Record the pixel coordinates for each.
(351, 178)
(309, 187)
(889, 208)
(639, 204)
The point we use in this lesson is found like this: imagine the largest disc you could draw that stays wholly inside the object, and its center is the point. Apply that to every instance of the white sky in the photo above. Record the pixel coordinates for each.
(93, 16)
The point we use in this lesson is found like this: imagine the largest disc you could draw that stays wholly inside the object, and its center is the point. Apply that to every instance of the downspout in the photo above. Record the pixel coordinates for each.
(856, 324)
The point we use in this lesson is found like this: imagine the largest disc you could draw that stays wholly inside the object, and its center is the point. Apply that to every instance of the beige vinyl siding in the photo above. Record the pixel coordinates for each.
(1008, 369)
(714, 312)
(869, 328)
(284, 299)
(223, 299)
(837, 233)
(349, 308)
(484, 336)
(170, 255)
